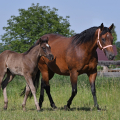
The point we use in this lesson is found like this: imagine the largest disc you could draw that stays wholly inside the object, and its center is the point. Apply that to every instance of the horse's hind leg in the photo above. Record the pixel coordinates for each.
(4, 84)
(26, 96)
(1, 78)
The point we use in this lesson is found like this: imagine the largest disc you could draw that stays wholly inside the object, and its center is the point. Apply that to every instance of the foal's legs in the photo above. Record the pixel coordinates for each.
(26, 96)
(33, 90)
(73, 78)
(4, 84)
(92, 77)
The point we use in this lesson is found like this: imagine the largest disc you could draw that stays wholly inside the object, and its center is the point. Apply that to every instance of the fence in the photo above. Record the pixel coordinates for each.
(109, 72)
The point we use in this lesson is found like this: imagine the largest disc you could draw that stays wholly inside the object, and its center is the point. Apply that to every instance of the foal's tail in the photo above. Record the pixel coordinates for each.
(36, 84)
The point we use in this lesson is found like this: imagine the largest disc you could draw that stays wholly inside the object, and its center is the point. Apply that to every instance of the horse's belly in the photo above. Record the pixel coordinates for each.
(84, 69)
(16, 70)
(59, 68)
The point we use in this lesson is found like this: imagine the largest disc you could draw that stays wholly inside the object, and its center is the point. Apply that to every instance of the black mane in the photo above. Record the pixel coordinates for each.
(87, 35)
(30, 48)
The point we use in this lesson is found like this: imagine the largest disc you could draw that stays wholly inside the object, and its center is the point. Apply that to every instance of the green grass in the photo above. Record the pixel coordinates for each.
(108, 95)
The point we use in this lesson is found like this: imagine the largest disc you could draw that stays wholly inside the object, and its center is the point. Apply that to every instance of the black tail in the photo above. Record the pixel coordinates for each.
(36, 84)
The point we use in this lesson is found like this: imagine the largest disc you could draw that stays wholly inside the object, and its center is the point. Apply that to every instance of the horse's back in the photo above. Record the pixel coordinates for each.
(67, 56)
(9, 53)
(4, 55)
(9, 57)
(59, 45)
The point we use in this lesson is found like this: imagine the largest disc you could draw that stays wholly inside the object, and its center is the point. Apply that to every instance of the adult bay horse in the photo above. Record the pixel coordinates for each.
(74, 56)
(24, 64)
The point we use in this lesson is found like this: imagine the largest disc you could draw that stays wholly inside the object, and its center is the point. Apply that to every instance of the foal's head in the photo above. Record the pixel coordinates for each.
(45, 48)
(105, 41)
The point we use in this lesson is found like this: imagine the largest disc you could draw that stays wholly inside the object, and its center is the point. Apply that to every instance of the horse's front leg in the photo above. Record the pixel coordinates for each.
(73, 78)
(45, 85)
(33, 90)
(47, 88)
(92, 77)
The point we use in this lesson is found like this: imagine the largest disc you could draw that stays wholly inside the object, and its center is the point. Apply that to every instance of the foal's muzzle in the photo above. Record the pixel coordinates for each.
(50, 56)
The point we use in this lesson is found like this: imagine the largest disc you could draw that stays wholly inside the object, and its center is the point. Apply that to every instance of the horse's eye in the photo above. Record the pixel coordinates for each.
(103, 39)
(43, 48)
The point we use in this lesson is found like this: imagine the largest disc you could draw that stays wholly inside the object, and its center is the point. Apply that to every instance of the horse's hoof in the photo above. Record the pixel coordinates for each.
(66, 107)
(24, 109)
(5, 108)
(96, 108)
(39, 110)
(99, 109)
(54, 107)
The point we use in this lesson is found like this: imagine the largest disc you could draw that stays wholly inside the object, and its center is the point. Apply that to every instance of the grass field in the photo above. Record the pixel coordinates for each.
(108, 95)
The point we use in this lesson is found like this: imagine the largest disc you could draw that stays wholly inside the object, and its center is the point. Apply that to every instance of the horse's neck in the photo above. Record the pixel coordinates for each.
(92, 45)
(34, 54)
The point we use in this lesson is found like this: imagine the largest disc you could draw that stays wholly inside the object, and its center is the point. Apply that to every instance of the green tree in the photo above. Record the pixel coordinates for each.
(1, 47)
(117, 57)
(117, 44)
(114, 35)
(23, 30)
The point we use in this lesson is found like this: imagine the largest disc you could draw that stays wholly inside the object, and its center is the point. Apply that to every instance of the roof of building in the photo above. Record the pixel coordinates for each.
(101, 55)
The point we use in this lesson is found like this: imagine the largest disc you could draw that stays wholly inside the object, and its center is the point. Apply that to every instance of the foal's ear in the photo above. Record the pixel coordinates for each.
(111, 27)
(101, 27)
(47, 39)
(40, 41)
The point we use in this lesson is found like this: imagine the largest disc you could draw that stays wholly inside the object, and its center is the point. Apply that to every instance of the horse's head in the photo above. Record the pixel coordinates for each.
(45, 48)
(105, 41)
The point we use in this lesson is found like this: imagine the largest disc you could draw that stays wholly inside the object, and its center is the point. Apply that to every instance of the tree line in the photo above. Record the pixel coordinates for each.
(23, 30)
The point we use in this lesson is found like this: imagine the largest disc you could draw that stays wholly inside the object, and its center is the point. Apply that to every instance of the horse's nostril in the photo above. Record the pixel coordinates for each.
(50, 57)
(111, 57)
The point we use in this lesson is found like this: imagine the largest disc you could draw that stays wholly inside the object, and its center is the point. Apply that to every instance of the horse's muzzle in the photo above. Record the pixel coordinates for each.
(50, 57)
(111, 56)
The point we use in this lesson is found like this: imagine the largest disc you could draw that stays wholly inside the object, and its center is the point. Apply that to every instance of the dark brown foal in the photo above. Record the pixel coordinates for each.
(24, 64)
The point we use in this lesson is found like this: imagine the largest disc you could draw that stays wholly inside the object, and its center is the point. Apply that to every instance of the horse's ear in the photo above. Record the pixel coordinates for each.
(101, 27)
(47, 38)
(111, 27)
(40, 41)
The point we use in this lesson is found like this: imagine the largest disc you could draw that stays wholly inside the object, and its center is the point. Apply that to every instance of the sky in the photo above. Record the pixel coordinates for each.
(83, 13)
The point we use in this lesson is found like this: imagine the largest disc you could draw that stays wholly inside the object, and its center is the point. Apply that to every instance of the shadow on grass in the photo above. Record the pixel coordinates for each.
(77, 109)
(73, 109)
(59, 109)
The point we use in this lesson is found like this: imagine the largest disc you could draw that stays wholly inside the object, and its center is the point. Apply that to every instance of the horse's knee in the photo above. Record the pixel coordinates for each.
(93, 90)
(74, 91)
(47, 88)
